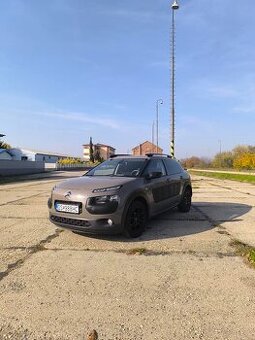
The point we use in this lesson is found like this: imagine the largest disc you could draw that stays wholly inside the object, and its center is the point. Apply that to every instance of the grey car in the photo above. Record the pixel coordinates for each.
(120, 195)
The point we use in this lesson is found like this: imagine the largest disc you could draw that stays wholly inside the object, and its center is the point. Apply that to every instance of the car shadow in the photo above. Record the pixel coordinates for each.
(203, 216)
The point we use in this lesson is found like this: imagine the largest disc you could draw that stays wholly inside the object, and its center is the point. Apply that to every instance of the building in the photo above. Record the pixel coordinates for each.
(21, 154)
(146, 147)
(105, 151)
(5, 155)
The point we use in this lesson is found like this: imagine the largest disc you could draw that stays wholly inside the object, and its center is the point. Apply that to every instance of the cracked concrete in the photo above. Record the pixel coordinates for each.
(187, 284)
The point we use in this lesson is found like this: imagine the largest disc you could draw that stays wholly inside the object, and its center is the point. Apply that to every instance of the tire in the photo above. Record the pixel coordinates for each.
(135, 220)
(185, 203)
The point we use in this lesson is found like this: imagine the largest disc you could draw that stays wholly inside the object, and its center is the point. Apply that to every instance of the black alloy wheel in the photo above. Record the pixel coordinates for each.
(135, 219)
(185, 203)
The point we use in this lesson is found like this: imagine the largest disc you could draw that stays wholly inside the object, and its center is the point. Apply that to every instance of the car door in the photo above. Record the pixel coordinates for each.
(174, 179)
(157, 187)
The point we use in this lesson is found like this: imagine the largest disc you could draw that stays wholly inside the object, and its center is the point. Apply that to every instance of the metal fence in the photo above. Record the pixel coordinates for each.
(69, 167)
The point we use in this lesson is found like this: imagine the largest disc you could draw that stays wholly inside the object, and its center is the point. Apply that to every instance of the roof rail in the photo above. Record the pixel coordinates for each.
(158, 154)
(120, 155)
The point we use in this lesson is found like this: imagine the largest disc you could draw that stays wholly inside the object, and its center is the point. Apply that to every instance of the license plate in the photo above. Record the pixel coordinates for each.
(67, 208)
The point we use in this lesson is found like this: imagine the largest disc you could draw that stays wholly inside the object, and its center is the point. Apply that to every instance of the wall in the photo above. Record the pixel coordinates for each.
(9, 168)
(46, 158)
(144, 148)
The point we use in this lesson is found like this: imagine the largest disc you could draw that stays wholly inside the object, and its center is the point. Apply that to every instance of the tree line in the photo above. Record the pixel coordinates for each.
(242, 157)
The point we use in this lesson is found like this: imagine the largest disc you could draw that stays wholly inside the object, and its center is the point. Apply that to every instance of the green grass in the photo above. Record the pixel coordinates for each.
(252, 257)
(220, 175)
(245, 251)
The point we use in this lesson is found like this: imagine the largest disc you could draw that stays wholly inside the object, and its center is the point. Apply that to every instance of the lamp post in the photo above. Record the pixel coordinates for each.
(152, 132)
(174, 6)
(159, 102)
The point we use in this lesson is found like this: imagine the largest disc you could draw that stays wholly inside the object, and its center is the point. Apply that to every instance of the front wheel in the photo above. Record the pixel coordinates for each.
(185, 203)
(135, 220)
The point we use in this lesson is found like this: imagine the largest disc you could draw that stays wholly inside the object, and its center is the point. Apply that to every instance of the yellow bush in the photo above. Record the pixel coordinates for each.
(245, 161)
(69, 161)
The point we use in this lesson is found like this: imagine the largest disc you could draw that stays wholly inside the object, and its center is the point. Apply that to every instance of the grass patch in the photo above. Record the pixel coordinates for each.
(137, 251)
(221, 175)
(245, 251)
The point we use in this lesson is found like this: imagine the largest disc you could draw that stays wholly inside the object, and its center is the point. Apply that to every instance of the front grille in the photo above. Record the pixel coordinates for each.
(70, 221)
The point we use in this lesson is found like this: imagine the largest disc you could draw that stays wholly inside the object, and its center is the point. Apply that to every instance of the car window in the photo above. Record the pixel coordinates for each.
(155, 165)
(173, 167)
(105, 169)
(119, 167)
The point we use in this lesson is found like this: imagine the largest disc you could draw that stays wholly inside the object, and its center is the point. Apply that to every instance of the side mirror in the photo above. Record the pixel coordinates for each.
(154, 174)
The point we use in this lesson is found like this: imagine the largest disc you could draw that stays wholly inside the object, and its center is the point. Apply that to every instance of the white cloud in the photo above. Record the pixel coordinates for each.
(223, 91)
(244, 109)
(129, 14)
(82, 117)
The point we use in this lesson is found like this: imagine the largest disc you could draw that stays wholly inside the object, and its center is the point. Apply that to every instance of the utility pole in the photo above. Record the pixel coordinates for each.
(175, 6)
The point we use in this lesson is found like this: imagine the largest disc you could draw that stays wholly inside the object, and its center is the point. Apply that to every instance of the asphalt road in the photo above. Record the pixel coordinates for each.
(189, 283)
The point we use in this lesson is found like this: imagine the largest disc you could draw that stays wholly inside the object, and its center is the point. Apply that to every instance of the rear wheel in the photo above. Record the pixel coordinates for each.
(185, 203)
(135, 220)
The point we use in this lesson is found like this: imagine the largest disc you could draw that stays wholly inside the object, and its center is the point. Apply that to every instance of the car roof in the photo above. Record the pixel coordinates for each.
(146, 156)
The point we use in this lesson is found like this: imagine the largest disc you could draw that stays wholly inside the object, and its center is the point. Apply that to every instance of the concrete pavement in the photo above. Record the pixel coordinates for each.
(190, 284)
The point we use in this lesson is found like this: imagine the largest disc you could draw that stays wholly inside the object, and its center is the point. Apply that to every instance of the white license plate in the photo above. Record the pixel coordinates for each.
(68, 208)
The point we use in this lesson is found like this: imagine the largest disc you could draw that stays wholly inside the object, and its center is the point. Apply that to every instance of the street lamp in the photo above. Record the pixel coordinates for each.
(159, 101)
(1, 135)
(175, 6)
(152, 136)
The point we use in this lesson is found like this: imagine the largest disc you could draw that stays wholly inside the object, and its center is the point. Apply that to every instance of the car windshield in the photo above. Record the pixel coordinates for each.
(119, 167)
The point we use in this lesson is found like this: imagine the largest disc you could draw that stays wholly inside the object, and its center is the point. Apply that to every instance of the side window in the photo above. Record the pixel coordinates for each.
(173, 167)
(156, 165)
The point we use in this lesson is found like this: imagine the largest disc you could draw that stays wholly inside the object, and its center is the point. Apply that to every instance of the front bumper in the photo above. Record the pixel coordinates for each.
(99, 226)
(90, 220)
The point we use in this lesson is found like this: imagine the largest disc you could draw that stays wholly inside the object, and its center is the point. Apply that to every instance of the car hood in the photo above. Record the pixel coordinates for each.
(90, 183)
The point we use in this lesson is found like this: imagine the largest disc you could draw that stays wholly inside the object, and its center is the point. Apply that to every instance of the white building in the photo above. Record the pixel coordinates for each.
(21, 154)
(105, 151)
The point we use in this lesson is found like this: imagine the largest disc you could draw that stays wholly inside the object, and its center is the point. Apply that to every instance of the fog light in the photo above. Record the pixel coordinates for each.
(110, 222)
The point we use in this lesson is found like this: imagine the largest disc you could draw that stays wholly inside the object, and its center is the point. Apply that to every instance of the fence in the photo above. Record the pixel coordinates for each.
(68, 167)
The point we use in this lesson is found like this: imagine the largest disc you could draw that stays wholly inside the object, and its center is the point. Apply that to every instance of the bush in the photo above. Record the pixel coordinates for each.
(92, 164)
(70, 161)
(4, 145)
(245, 161)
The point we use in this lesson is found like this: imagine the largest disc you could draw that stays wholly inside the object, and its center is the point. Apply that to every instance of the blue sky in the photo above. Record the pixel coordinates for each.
(71, 69)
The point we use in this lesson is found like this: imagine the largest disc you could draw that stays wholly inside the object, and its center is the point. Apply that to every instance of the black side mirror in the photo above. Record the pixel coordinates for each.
(154, 174)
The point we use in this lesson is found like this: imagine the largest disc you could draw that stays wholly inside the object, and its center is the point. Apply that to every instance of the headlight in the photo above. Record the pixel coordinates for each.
(98, 200)
(106, 204)
(107, 189)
